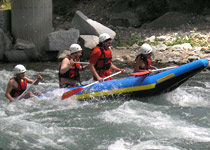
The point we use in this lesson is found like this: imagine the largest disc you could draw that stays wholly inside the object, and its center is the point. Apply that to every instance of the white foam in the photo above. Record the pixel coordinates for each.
(152, 145)
(120, 145)
(142, 145)
(156, 122)
(193, 98)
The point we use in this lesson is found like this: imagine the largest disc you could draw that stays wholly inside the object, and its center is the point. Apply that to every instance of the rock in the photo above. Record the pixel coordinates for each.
(183, 61)
(29, 49)
(117, 59)
(135, 46)
(193, 58)
(5, 20)
(185, 46)
(21, 44)
(87, 26)
(124, 19)
(119, 22)
(170, 20)
(127, 58)
(149, 10)
(160, 47)
(62, 54)
(61, 40)
(184, 55)
(162, 38)
(88, 42)
(197, 49)
(175, 53)
(207, 51)
(5, 43)
(150, 39)
(15, 56)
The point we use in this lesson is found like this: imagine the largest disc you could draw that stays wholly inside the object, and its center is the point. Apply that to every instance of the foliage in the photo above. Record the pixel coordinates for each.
(134, 39)
(193, 39)
(119, 41)
(189, 38)
(5, 4)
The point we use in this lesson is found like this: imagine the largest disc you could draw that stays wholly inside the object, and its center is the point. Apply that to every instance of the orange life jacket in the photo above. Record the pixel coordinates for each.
(22, 85)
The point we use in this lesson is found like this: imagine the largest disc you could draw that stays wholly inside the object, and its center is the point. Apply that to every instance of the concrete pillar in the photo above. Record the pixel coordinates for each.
(32, 20)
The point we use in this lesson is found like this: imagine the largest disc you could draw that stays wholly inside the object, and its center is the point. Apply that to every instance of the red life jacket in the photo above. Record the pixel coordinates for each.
(148, 64)
(72, 73)
(104, 61)
(146, 61)
(22, 85)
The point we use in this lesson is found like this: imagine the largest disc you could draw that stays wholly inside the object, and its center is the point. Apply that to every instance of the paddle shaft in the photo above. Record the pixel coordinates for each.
(149, 71)
(162, 69)
(26, 90)
(84, 63)
(104, 79)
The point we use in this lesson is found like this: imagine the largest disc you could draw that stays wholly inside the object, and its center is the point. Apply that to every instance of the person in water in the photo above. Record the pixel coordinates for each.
(101, 59)
(69, 69)
(143, 60)
(18, 84)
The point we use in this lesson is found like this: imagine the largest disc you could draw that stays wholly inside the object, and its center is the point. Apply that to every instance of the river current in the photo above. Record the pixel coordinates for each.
(179, 120)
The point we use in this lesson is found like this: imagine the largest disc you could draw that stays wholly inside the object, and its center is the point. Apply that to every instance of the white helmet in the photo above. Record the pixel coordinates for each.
(146, 48)
(19, 69)
(103, 37)
(75, 48)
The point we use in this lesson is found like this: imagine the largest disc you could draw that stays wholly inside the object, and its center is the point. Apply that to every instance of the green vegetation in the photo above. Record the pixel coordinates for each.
(5, 4)
(134, 39)
(119, 41)
(193, 39)
(183, 39)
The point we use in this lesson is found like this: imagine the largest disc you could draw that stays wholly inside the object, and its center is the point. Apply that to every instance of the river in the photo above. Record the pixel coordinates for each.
(179, 120)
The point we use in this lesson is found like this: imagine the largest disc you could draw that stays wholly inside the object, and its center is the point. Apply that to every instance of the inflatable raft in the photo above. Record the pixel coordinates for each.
(140, 86)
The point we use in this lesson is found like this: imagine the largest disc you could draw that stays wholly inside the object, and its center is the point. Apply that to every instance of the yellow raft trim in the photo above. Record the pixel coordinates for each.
(166, 77)
(116, 91)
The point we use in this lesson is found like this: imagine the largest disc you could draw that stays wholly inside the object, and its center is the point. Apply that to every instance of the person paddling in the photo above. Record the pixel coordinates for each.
(143, 60)
(69, 70)
(18, 84)
(101, 59)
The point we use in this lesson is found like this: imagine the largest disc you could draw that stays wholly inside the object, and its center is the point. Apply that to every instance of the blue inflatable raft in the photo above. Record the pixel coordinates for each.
(141, 86)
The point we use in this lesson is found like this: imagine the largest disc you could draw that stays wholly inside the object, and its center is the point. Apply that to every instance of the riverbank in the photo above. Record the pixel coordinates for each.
(176, 37)
(176, 46)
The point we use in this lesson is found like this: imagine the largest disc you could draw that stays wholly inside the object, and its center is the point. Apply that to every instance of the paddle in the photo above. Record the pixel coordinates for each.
(85, 63)
(26, 90)
(149, 71)
(75, 91)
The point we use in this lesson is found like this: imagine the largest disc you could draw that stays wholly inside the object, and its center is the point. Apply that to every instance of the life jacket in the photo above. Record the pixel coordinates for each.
(146, 61)
(22, 85)
(104, 61)
(72, 73)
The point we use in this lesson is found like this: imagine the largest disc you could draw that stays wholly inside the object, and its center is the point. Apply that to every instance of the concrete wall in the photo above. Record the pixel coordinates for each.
(32, 20)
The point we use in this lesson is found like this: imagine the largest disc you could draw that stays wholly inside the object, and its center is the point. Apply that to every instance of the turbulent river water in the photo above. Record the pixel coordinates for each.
(179, 120)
